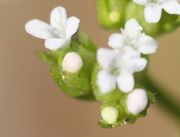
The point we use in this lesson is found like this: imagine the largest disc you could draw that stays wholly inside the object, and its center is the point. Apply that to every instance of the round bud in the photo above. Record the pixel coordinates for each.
(72, 62)
(114, 16)
(109, 115)
(137, 101)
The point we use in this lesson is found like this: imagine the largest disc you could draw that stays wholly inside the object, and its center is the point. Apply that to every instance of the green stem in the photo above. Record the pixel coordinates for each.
(163, 98)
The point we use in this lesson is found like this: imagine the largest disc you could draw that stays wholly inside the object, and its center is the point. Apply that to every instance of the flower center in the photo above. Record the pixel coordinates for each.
(115, 71)
(131, 42)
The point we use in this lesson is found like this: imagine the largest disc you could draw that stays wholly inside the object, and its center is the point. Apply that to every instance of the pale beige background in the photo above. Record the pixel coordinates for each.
(31, 105)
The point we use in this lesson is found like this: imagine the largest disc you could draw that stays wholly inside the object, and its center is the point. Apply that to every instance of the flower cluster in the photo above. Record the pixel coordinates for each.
(155, 16)
(111, 75)
(71, 59)
(118, 65)
(58, 35)
(153, 8)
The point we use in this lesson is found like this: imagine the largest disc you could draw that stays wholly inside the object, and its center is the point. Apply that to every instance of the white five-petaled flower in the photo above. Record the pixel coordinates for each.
(117, 68)
(56, 34)
(133, 37)
(153, 8)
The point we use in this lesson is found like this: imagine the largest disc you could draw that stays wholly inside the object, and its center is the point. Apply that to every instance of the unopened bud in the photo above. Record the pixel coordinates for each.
(137, 101)
(72, 62)
(109, 115)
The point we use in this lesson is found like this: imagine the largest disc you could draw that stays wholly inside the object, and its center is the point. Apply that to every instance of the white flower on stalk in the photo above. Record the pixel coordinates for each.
(137, 101)
(117, 68)
(153, 8)
(133, 37)
(56, 34)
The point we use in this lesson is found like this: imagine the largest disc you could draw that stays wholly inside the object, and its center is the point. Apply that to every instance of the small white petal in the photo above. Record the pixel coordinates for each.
(115, 41)
(132, 28)
(125, 82)
(72, 62)
(110, 115)
(105, 57)
(137, 101)
(172, 7)
(147, 45)
(153, 13)
(39, 29)
(72, 26)
(141, 2)
(136, 65)
(106, 82)
(58, 18)
(54, 44)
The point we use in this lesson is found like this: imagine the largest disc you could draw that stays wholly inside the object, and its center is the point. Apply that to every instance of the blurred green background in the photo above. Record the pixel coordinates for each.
(31, 104)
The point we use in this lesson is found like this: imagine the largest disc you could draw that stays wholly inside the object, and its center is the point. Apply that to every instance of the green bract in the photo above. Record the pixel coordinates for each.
(73, 84)
(120, 118)
(118, 100)
(124, 116)
(113, 14)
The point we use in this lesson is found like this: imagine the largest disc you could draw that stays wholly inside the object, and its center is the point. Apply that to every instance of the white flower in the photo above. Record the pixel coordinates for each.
(153, 8)
(137, 101)
(109, 115)
(117, 67)
(56, 34)
(72, 62)
(133, 37)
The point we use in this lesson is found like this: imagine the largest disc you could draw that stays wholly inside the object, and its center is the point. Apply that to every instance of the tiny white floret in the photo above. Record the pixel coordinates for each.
(72, 62)
(137, 101)
(117, 69)
(132, 36)
(110, 115)
(58, 33)
(153, 8)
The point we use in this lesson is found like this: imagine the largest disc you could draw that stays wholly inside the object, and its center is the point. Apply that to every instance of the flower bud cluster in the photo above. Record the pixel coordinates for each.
(72, 57)
(109, 75)
(155, 16)
(116, 69)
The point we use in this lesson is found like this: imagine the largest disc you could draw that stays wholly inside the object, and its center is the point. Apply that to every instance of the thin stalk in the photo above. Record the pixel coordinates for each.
(164, 99)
